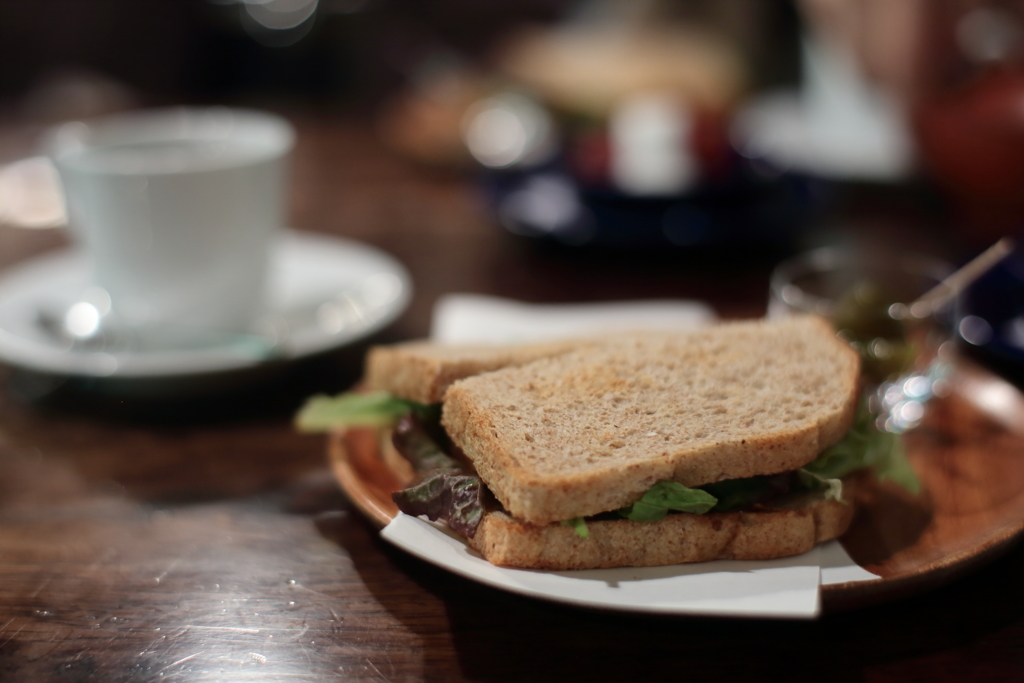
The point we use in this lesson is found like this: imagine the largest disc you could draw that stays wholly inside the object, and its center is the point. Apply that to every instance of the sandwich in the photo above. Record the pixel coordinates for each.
(731, 442)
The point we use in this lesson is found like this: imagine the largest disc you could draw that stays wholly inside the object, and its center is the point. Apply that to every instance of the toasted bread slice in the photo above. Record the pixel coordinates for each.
(674, 539)
(422, 370)
(593, 429)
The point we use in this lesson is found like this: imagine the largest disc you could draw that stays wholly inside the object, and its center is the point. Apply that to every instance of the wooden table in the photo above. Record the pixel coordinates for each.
(204, 540)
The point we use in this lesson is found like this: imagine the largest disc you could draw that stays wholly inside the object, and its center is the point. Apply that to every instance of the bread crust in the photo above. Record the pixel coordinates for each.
(422, 370)
(592, 430)
(675, 539)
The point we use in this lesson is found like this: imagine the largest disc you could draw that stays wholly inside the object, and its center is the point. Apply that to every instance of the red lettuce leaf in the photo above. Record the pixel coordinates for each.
(445, 490)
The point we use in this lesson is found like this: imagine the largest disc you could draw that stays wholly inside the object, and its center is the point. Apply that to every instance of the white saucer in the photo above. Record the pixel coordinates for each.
(325, 292)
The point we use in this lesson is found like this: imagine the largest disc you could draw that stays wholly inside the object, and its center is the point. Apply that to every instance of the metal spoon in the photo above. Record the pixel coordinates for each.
(955, 283)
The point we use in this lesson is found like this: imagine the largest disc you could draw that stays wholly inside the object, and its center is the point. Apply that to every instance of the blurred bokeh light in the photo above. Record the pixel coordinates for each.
(695, 122)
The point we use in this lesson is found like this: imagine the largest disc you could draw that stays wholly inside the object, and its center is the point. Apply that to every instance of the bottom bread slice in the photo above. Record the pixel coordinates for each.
(675, 539)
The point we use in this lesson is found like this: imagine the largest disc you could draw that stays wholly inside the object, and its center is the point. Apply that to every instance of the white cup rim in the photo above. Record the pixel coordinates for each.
(273, 136)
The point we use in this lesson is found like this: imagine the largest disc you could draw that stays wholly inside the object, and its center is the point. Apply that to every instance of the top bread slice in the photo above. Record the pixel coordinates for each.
(422, 370)
(593, 429)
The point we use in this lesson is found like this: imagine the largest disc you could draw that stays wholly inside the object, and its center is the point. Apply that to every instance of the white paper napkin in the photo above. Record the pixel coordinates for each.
(463, 318)
(788, 587)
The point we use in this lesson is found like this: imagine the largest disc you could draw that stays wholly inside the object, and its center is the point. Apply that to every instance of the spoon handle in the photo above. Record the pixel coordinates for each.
(959, 280)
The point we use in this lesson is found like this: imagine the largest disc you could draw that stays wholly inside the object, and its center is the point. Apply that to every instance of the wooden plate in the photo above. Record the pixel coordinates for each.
(968, 453)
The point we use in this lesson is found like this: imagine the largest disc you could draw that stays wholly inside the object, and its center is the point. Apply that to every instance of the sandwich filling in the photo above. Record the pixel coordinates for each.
(448, 489)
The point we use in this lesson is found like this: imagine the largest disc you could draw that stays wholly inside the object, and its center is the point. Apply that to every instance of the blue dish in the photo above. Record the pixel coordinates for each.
(752, 207)
(992, 327)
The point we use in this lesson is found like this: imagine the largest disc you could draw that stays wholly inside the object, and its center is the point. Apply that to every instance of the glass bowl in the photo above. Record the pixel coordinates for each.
(870, 298)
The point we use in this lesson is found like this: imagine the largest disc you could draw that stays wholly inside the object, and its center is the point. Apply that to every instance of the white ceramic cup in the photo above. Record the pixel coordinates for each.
(176, 210)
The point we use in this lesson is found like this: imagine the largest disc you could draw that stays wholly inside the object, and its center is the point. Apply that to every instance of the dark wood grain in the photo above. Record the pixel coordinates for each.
(205, 540)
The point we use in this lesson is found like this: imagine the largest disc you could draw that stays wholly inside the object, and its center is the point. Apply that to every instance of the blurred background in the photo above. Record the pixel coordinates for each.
(709, 136)
(579, 115)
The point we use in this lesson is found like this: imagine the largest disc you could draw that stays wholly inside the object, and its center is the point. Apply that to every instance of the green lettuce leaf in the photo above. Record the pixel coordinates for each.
(375, 409)
(866, 446)
(891, 464)
(579, 525)
(831, 488)
(665, 496)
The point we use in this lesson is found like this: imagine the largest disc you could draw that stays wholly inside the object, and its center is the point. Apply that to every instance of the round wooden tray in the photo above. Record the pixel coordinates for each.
(968, 453)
